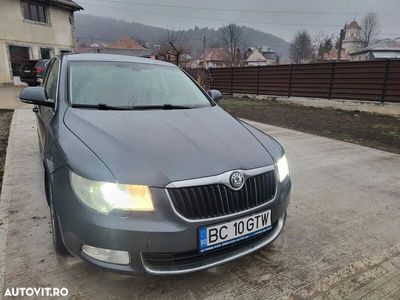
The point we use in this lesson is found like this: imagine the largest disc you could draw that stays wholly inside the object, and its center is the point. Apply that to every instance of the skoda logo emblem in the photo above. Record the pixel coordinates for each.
(236, 180)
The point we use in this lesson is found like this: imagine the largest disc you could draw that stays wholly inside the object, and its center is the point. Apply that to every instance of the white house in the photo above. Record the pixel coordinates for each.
(263, 56)
(380, 50)
(34, 29)
(256, 59)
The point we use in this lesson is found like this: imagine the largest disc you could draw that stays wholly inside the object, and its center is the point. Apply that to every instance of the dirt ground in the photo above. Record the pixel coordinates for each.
(5, 120)
(367, 129)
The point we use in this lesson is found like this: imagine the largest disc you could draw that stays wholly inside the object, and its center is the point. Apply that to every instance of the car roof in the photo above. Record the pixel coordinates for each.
(114, 58)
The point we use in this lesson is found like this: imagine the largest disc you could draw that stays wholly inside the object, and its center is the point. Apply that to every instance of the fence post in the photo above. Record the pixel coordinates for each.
(232, 81)
(331, 80)
(258, 80)
(290, 81)
(385, 79)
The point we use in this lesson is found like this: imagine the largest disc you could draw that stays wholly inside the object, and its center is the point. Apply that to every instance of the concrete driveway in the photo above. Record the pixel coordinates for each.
(342, 238)
(9, 97)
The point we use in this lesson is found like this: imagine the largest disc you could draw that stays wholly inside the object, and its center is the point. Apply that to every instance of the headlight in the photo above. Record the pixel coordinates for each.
(107, 196)
(283, 168)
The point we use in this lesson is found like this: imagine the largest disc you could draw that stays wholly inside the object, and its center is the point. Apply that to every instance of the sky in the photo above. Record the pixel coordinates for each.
(281, 18)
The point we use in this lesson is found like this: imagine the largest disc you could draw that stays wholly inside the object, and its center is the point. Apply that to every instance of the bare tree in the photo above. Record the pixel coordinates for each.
(301, 49)
(370, 28)
(323, 43)
(231, 37)
(174, 45)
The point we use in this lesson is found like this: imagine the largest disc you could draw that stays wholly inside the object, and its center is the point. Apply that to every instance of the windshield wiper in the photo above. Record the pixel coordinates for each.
(164, 106)
(100, 106)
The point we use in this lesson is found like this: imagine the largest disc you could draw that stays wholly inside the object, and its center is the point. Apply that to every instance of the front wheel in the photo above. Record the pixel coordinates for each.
(58, 243)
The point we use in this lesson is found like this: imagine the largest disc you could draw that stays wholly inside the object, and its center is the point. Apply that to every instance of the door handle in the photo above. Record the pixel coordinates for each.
(35, 109)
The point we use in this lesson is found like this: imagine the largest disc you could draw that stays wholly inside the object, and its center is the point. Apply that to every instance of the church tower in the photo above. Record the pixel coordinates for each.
(352, 41)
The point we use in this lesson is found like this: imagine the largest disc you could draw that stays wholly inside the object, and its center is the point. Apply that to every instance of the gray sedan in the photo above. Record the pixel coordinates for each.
(145, 173)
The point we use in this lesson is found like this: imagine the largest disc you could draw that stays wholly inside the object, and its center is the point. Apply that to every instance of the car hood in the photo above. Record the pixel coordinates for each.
(156, 147)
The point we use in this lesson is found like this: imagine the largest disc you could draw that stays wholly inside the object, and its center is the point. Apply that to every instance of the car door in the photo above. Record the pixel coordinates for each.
(44, 113)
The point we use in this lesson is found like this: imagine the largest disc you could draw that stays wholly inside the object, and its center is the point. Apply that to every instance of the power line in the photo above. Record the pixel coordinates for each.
(238, 10)
(214, 19)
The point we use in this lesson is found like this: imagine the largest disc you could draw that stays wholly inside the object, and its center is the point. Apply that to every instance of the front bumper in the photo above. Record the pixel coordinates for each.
(148, 236)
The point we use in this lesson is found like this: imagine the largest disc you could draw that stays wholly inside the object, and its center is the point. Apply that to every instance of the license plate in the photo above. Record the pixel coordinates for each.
(215, 236)
(27, 71)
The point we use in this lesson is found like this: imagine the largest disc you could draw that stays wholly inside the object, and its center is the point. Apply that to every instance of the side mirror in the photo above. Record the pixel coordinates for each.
(35, 95)
(215, 95)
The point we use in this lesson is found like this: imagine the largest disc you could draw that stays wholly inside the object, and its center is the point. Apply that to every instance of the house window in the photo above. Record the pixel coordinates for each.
(45, 53)
(34, 11)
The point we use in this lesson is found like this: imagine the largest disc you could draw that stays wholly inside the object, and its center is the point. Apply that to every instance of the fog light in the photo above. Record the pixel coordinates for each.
(107, 255)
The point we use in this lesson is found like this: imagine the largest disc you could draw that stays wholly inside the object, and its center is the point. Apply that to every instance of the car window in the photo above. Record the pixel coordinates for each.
(131, 84)
(51, 81)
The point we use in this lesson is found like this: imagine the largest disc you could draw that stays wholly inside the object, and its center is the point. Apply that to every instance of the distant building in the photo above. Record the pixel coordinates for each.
(32, 30)
(352, 41)
(260, 56)
(332, 56)
(256, 59)
(269, 54)
(126, 46)
(216, 58)
(248, 52)
(383, 49)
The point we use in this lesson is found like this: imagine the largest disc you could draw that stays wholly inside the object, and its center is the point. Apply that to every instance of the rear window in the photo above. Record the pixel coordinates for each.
(42, 63)
(29, 64)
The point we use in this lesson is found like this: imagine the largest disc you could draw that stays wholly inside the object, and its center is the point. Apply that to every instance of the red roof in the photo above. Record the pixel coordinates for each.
(216, 54)
(353, 25)
(126, 43)
(332, 55)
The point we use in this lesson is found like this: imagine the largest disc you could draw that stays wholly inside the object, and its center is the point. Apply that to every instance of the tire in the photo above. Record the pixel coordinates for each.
(58, 243)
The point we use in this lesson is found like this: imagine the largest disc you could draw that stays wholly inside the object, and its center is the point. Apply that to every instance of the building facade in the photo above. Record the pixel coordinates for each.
(260, 56)
(352, 41)
(31, 29)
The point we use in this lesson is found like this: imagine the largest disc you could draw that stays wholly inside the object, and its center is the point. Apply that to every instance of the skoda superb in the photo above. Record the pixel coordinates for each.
(144, 172)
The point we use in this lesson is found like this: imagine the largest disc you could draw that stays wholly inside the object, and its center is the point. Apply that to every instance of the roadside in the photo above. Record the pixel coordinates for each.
(367, 129)
(5, 121)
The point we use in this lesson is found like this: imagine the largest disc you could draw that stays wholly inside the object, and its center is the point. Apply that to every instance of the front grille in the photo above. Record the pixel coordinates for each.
(190, 259)
(210, 201)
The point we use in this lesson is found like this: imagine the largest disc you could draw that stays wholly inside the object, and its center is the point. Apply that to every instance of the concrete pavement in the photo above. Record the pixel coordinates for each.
(342, 238)
(9, 97)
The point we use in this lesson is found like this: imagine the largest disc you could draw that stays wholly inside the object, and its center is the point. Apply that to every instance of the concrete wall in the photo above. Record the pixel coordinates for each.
(57, 34)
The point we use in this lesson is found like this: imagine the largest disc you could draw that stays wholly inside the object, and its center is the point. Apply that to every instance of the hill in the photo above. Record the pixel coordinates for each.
(97, 29)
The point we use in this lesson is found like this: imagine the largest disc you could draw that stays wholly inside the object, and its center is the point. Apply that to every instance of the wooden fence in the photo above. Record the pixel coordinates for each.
(367, 80)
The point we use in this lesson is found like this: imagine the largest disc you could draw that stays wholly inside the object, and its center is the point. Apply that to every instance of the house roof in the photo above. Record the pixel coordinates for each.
(64, 3)
(353, 25)
(126, 43)
(216, 54)
(384, 45)
(332, 55)
(256, 56)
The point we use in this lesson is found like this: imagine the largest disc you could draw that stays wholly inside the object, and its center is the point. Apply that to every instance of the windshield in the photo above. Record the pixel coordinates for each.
(131, 85)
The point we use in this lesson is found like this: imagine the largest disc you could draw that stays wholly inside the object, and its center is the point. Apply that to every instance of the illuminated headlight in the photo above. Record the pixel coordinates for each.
(105, 197)
(283, 168)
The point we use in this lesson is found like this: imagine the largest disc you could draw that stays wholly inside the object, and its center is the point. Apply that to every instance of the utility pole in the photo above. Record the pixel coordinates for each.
(204, 45)
(339, 49)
